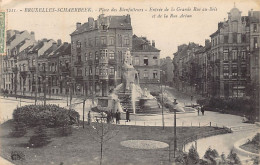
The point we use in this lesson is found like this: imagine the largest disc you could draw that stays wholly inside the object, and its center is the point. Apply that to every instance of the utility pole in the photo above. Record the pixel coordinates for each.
(84, 113)
(162, 101)
(36, 79)
(175, 134)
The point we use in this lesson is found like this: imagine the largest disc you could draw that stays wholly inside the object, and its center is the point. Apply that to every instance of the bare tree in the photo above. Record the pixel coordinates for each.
(102, 132)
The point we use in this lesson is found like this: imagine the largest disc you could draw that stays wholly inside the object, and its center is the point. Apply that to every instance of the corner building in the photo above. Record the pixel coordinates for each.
(230, 56)
(97, 49)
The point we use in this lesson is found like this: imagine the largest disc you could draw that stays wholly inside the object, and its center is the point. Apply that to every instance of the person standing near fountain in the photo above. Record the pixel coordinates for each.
(117, 117)
(89, 118)
(127, 116)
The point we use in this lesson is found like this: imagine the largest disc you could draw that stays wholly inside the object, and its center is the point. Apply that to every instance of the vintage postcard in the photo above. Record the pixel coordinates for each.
(129, 82)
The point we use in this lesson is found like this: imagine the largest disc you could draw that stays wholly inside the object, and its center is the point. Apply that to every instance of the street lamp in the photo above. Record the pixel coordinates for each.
(175, 136)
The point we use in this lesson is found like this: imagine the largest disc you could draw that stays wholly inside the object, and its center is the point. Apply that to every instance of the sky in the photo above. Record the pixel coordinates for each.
(167, 33)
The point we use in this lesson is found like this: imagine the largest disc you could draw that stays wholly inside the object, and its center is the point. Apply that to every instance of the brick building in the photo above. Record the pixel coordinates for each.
(97, 49)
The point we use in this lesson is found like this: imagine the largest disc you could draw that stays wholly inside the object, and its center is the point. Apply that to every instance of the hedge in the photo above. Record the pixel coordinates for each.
(51, 115)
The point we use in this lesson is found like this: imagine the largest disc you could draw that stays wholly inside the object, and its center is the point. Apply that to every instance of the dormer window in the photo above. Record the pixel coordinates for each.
(144, 47)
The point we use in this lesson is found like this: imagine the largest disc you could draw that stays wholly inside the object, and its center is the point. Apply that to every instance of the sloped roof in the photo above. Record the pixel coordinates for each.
(138, 42)
(64, 49)
(118, 22)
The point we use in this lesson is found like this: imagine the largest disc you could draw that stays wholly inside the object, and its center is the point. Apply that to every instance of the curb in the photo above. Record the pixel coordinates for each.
(241, 151)
(4, 161)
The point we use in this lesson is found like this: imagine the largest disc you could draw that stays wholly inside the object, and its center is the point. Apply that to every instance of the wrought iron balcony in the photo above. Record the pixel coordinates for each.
(78, 63)
(32, 68)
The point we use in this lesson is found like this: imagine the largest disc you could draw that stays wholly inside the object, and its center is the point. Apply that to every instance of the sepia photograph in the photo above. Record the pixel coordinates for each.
(120, 82)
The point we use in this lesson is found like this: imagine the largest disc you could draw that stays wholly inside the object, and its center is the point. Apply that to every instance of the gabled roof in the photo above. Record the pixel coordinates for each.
(64, 49)
(38, 46)
(138, 43)
(118, 22)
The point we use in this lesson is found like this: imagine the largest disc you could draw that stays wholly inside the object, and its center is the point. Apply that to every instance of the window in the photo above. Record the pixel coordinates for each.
(78, 44)
(90, 42)
(86, 44)
(225, 39)
(243, 55)
(145, 61)
(119, 39)
(90, 70)
(103, 53)
(72, 45)
(255, 43)
(234, 55)
(111, 55)
(97, 70)
(145, 74)
(86, 71)
(126, 41)
(79, 58)
(155, 76)
(96, 41)
(225, 55)
(243, 38)
(137, 61)
(226, 75)
(111, 70)
(111, 41)
(155, 60)
(103, 40)
(234, 37)
(86, 56)
(90, 55)
(234, 71)
(96, 55)
(243, 71)
(255, 27)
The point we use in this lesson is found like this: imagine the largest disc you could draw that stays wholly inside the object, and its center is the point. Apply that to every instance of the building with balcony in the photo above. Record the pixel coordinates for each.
(16, 42)
(97, 49)
(230, 56)
(146, 60)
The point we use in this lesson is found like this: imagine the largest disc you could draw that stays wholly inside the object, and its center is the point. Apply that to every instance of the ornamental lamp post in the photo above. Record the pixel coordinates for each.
(175, 136)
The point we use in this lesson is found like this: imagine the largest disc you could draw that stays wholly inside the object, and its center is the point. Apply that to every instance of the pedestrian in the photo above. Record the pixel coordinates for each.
(117, 117)
(127, 115)
(198, 111)
(202, 111)
(89, 118)
(112, 116)
(108, 117)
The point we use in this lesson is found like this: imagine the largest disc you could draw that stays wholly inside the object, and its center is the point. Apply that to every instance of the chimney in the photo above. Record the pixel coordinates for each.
(153, 43)
(78, 24)
(207, 42)
(91, 22)
(59, 42)
(33, 35)
(54, 45)
(128, 18)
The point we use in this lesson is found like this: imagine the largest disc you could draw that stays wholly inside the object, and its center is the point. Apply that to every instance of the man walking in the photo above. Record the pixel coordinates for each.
(89, 118)
(127, 116)
(117, 117)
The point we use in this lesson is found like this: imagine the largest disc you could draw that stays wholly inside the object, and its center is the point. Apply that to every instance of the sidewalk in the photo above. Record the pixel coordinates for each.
(3, 161)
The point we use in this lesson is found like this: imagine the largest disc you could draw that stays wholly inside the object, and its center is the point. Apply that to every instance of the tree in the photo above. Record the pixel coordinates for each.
(40, 137)
(211, 155)
(101, 133)
(232, 158)
(19, 129)
(193, 155)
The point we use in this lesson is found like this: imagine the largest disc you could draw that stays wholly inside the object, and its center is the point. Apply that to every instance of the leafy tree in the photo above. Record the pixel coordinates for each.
(232, 158)
(19, 129)
(40, 137)
(193, 155)
(211, 155)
